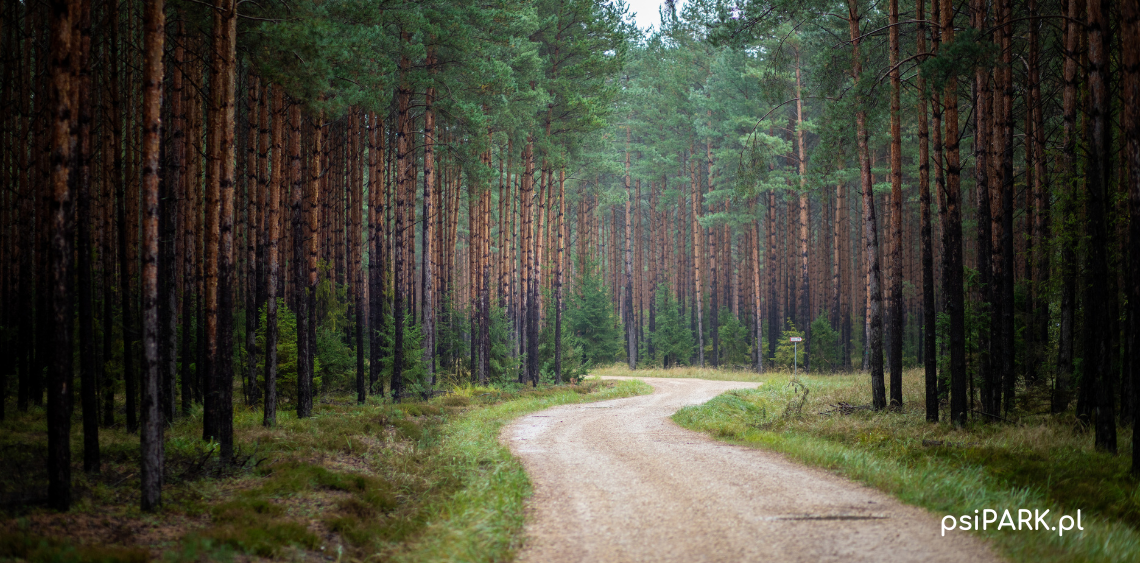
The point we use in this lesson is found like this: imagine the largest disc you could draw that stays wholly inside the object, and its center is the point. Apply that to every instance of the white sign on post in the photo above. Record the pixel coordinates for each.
(796, 339)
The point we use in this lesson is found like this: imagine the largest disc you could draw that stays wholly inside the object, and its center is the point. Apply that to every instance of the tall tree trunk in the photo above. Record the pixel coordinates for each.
(62, 13)
(1062, 393)
(429, 219)
(896, 275)
(81, 178)
(562, 235)
(273, 226)
(225, 21)
(698, 306)
(296, 203)
(870, 228)
(1099, 301)
(955, 302)
(1005, 290)
(254, 207)
(1130, 63)
(403, 129)
(983, 116)
(804, 312)
(531, 266)
(151, 458)
(317, 166)
(627, 311)
(929, 314)
(376, 248)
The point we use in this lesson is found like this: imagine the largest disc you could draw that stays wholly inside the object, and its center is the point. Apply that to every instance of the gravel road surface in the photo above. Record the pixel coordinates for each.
(620, 481)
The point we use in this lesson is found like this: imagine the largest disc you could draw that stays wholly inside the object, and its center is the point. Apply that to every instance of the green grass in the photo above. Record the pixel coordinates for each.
(1037, 462)
(415, 481)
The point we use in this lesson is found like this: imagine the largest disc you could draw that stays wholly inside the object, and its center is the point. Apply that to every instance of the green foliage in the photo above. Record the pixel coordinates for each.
(786, 350)
(734, 348)
(824, 345)
(414, 373)
(591, 321)
(573, 368)
(286, 354)
(672, 341)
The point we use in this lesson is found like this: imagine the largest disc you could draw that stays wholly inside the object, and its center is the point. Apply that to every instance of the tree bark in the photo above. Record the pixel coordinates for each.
(403, 127)
(955, 303)
(273, 267)
(929, 314)
(1130, 63)
(870, 228)
(62, 14)
(896, 245)
(151, 458)
(1098, 300)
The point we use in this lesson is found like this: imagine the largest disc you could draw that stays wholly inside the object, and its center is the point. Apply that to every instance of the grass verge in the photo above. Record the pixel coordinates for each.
(415, 481)
(1038, 462)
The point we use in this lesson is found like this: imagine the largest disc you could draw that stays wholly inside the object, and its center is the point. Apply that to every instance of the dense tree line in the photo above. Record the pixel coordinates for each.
(243, 205)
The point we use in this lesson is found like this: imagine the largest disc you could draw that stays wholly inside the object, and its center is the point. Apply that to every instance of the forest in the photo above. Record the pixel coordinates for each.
(217, 209)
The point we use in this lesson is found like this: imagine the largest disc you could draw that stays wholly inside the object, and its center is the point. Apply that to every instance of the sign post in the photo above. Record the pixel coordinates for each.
(796, 356)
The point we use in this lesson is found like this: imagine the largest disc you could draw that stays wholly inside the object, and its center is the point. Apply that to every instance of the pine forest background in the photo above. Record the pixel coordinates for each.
(251, 204)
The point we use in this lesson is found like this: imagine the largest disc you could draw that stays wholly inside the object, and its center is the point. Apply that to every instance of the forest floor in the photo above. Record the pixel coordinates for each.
(415, 481)
(619, 481)
(1032, 461)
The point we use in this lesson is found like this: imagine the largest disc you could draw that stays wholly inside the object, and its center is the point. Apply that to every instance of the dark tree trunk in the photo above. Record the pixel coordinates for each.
(1099, 301)
(151, 457)
(1062, 392)
(61, 226)
(1130, 30)
(1004, 292)
(272, 239)
(300, 303)
(81, 178)
(930, 360)
(403, 130)
(952, 254)
(896, 269)
(377, 257)
(870, 231)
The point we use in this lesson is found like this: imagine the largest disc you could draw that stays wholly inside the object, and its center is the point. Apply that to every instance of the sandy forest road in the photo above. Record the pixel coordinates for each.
(620, 481)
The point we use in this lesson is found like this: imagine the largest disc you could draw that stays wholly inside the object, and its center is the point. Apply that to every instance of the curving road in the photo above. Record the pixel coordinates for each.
(619, 481)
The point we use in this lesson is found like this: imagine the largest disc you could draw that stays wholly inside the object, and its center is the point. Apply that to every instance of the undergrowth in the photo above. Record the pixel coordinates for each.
(413, 481)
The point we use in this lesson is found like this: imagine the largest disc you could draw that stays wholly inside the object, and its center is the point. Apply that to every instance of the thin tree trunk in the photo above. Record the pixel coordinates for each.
(81, 178)
(403, 128)
(152, 446)
(1062, 392)
(562, 235)
(273, 226)
(870, 229)
(896, 271)
(1130, 61)
(60, 375)
(1098, 300)
(627, 311)
(955, 304)
(312, 235)
(929, 314)
(428, 268)
(698, 306)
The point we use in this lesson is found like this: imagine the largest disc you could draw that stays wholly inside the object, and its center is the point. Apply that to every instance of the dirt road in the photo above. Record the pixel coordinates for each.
(619, 481)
